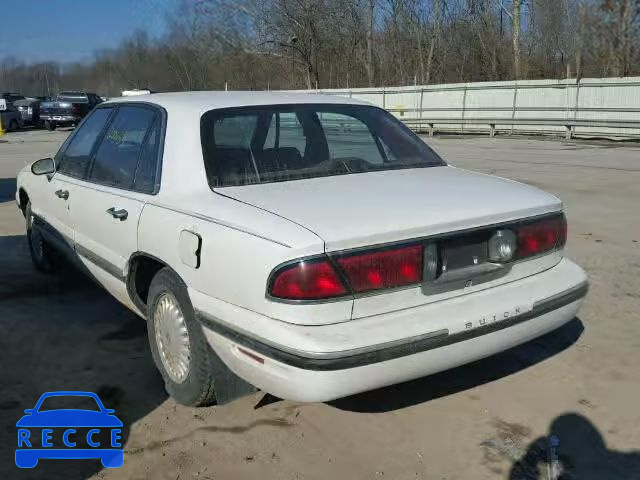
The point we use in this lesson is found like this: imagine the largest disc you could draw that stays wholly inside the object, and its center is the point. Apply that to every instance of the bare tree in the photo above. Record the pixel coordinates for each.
(259, 44)
(621, 18)
(514, 15)
(435, 36)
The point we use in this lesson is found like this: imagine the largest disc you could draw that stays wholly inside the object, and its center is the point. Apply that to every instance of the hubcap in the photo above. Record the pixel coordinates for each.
(172, 338)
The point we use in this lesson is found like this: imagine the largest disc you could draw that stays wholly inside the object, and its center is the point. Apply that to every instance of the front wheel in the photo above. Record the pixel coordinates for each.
(49, 125)
(39, 249)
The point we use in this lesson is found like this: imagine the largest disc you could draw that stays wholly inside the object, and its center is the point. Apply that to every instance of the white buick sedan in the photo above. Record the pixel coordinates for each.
(310, 246)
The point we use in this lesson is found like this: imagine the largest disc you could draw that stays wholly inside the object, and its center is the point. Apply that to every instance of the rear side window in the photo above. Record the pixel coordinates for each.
(124, 143)
(145, 176)
(75, 158)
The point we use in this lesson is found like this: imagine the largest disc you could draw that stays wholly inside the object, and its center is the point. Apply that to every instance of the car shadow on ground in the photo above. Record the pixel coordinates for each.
(574, 449)
(465, 377)
(63, 332)
(7, 189)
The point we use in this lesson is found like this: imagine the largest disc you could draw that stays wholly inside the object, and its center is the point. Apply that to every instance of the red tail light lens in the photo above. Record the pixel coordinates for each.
(75, 109)
(383, 269)
(379, 269)
(543, 236)
(307, 281)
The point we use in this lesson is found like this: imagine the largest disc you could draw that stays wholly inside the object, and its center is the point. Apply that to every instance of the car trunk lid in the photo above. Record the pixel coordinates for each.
(351, 211)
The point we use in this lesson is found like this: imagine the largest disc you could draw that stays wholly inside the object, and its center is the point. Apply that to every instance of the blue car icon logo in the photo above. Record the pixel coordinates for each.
(69, 433)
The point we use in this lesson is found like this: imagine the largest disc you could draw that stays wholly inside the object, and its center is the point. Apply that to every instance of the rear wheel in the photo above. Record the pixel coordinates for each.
(40, 251)
(179, 347)
(49, 125)
(13, 126)
(193, 373)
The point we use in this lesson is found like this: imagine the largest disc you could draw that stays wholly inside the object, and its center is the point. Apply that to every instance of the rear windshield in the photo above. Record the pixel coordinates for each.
(250, 145)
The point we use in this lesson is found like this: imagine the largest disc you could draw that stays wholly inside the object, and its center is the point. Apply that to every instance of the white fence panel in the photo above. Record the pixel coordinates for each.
(551, 105)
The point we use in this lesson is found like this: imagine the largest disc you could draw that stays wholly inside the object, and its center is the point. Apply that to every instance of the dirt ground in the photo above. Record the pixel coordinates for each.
(489, 420)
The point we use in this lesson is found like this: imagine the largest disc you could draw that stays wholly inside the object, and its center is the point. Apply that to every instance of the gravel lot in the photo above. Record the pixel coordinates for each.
(492, 419)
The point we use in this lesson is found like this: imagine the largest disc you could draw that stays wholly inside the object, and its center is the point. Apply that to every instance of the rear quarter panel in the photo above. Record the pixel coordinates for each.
(235, 265)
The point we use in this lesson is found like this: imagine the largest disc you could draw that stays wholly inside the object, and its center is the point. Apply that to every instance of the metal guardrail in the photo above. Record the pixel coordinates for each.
(597, 107)
(429, 124)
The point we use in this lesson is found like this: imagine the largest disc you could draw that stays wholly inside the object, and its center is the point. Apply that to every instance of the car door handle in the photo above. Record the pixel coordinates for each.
(64, 194)
(120, 214)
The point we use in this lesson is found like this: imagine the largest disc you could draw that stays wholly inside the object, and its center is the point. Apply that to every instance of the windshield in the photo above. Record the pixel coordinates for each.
(250, 145)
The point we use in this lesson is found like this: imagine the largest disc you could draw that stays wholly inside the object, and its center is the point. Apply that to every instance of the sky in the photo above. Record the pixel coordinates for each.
(72, 30)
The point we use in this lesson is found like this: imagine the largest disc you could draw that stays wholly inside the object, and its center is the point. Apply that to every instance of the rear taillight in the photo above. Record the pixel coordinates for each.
(542, 236)
(75, 109)
(340, 275)
(374, 270)
(307, 280)
(383, 269)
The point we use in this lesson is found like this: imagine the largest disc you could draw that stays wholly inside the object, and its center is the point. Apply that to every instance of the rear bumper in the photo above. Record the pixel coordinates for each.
(60, 118)
(325, 374)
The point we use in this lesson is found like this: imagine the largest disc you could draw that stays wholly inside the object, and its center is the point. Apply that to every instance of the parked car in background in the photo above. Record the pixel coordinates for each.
(68, 109)
(308, 245)
(11, 118)
(29, 111)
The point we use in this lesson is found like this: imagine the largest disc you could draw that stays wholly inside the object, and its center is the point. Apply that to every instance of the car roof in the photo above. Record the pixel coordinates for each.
(202, 101)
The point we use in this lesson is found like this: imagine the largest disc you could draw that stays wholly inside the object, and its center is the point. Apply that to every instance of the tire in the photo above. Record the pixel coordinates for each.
(42, 255)
(196, 386)
(49, 125)
(13, 126)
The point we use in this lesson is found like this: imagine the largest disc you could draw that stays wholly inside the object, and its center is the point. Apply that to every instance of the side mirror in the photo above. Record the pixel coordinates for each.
(29, 411)
(44, 166)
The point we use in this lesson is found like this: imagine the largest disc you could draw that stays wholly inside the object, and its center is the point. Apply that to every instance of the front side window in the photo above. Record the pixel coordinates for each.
(249, 145)
(124, 142)
(75, 156)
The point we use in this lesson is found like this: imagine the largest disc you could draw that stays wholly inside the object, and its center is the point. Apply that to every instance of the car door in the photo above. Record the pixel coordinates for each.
(109, 202)
(53, 202)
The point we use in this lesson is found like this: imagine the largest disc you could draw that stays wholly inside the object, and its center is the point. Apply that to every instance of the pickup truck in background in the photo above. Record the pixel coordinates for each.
(67, 109)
